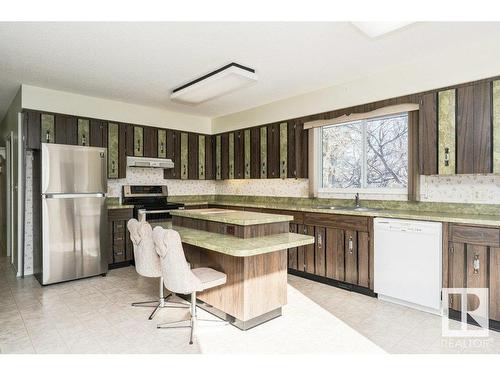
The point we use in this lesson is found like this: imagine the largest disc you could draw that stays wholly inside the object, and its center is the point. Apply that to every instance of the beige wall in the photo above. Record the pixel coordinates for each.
(88, 106)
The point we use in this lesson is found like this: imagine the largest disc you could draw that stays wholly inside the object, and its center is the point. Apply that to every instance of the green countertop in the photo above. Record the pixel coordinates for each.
(232, 216)
(444, 212)
(238, 247)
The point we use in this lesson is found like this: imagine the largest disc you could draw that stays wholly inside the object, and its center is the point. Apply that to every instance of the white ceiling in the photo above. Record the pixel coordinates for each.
(141, 62)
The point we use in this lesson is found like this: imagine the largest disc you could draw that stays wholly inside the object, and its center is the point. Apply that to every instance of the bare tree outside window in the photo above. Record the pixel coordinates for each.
(369, 154)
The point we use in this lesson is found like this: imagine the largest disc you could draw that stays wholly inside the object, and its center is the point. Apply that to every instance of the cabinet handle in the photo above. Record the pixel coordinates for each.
(113, 166)
(475, 263)
(184, 169)
(446, 156)
(350, 245)
(319, 240)
(248, 170)
(84, 140)
(118, 238)
(47, 136)
(161, 147)
(283, 170)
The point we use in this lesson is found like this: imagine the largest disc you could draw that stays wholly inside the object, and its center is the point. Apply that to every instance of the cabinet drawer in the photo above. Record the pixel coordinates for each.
(118, 214)
(298, 217)
(119, 254)
(118, 227)
(475, 235)
(359, 223)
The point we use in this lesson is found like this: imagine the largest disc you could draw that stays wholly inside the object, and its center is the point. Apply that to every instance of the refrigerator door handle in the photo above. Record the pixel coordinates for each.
(69, 195)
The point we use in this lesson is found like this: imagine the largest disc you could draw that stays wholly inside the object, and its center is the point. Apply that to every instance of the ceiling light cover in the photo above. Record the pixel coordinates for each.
(215, 84)
(375, 29)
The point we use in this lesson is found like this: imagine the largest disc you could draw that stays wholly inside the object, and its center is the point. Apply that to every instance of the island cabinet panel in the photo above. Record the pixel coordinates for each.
(494, 283)
(319, 251)
(335, 254)
(224, 156)
(247, 150)
(138, 141)
(273, 151)
(150, 142)
(255, 153)
(162, 143)
(351, 257)
(83, 132)
(174, 153)
(66, 130)
(428, 135)
(98, 133)
(292, 252)
(184, 157)
(192, 154)
(218, 157)
(239, 154)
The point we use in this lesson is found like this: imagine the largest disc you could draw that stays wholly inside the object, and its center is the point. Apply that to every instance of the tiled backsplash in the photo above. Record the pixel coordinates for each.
(453, 189)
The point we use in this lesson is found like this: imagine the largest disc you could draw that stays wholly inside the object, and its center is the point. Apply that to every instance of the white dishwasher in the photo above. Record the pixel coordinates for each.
(408, 263)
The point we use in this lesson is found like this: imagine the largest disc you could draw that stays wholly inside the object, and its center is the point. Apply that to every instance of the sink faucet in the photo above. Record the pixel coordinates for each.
(356, 199)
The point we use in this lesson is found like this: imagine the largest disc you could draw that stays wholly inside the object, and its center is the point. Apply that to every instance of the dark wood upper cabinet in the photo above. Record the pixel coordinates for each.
(273, 151)
(174, 153)
(428, 135)
(33, 129)
(255, 152)
(98, 133)
(122, 151)
(138, 140)
(129, 142)
(465, 129)
(225, 156)
(66, 130)
(239, 154)
(297, 150)
(150, 142)
(193, 168)
(209, 157)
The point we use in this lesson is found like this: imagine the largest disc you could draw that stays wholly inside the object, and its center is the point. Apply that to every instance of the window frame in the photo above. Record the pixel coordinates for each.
(320, 191)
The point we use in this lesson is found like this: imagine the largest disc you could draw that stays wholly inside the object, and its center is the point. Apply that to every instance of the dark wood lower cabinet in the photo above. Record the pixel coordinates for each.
(319, 252)
(335, 254)
(121, 250)
(351, 256)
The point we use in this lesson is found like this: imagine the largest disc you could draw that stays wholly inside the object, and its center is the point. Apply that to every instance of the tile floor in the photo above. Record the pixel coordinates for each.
(94, 316)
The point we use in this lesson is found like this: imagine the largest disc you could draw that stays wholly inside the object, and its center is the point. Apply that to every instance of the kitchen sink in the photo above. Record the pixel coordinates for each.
(351, 208)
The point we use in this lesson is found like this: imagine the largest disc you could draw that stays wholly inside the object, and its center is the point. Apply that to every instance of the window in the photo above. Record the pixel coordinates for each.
(369, 155)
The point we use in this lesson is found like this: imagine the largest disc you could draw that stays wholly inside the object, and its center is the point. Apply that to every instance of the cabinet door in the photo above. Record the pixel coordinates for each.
(335, 254)
(319, 251)
(477, 272)
(209, 157)
(495, 283)
(496, 126)
(465, 129)
(483, 135)
(247, 152)
(309, 251)
(363, 259)
(201, 157)
(456, 277)
(83, 132)
(138, 141)
(263, 152)
(218, 157)
(292, 252)
(273, 151)
(225, 156)
(428, 135)
(33, 136)
(351, 257)
(48, 128)
(446, 129)
(184, 156)
(255, 167)
(231, 156)
(193, 156)
(301, 250)
(66, 130)
(173, 153)
(239, 154)
(162, 143)
(283, 140)
(98, 133)
(150, 142)
(113, 131)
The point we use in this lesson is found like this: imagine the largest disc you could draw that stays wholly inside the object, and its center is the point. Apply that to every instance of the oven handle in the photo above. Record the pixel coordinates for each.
(141, 213)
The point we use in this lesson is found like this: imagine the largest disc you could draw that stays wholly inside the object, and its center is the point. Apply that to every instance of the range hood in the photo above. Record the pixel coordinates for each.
(140, 162)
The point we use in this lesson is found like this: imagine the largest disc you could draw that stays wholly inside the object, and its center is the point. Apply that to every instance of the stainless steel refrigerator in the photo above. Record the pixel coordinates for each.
(74, 222)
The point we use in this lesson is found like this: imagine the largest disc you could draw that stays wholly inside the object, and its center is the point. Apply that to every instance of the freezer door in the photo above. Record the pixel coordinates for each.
(74, 237)
(73, 169)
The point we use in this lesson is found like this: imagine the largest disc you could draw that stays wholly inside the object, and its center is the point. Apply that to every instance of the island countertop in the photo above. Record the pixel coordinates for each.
(239, 247)
(234, 217)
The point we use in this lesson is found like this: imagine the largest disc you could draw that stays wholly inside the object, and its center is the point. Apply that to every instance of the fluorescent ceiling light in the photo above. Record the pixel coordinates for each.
(217, 83)
(375, 29)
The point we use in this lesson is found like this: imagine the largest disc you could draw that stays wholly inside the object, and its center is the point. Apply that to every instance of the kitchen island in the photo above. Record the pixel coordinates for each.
(251, 249)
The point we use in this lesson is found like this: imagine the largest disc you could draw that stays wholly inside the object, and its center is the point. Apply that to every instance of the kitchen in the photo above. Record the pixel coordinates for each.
(369, 212)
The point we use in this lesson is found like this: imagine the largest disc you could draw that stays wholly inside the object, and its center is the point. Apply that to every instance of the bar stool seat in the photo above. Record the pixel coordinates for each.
(209, 277)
